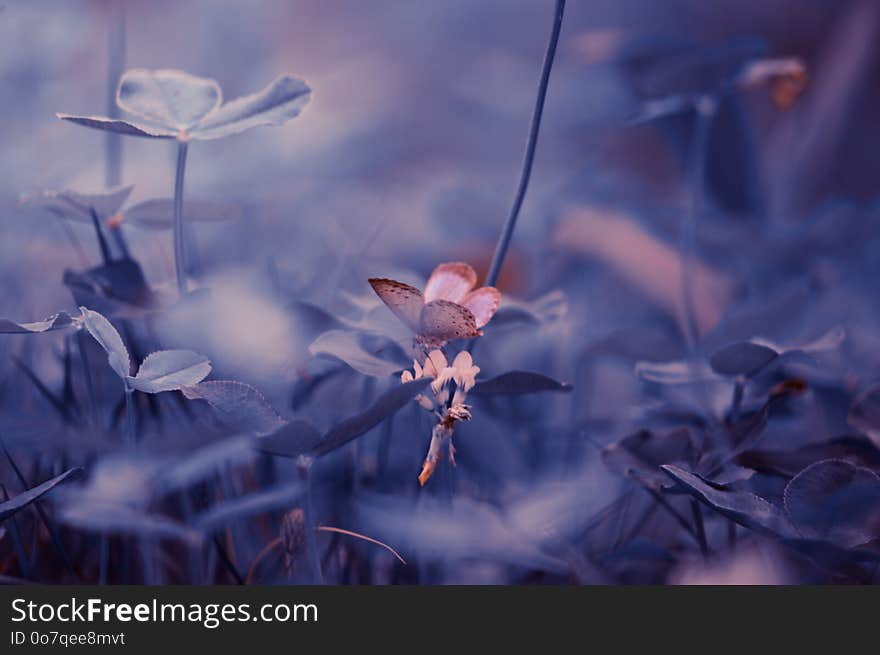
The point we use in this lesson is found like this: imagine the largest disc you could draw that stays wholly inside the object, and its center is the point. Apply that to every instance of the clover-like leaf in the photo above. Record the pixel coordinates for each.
(238, 405)
(56, 322)
(158, 213)
(170, 370)
(170, 98)
(283, 99)
(106, 335)
(175, 104)
(837, 501)
(25, 498)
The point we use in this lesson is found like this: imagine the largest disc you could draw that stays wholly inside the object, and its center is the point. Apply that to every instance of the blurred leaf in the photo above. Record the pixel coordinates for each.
(292, 439)
(56, 322)
(113, 518)
(514, 382)
(346, 346)
(205, 462)
(856, 450)
(387, 404)
(25, 498)
(239, 405)
(640, 455)
(171, 98)
(128, 128)
(158, 213)
(106, 335)
(247, 506)
(837, 501)
(104, 287)
(743, 507)
(743, 358)
(79, 206)
(169, 370)
(276, 104)
(864, 414)
(677, 372)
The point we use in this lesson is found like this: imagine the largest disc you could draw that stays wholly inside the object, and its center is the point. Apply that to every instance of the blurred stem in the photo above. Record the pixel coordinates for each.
(304, 466)
(705, 109)
(179, 245)
(736, 402)
(697, 512)
(529, 158)
(115, 67)
(130, 433)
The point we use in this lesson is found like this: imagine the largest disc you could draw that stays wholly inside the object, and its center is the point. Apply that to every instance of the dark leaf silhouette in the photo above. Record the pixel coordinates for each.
(515, 382)
(25, 498)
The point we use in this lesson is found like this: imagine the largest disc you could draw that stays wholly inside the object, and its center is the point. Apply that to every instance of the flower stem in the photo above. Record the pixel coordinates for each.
(529, 157)
(179, 245)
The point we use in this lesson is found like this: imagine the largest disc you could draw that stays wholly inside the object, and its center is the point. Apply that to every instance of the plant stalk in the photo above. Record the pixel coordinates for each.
(531, 144)
(179, 237)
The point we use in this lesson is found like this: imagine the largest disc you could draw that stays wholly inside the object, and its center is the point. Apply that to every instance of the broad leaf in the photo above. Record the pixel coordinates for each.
(743, 507)
(171, 98)
(515, 382)
(238, 405)
(346, 345)
(387, 404)
(169, 370)
(743, 358)
(56, 322)
(277, 103)
(25, 498)
(837, 501)
(291, 439)
(118, 126)
(106, 335)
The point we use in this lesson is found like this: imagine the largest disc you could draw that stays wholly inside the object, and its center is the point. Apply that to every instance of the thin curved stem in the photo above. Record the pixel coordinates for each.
(529, 157)
(179, 241)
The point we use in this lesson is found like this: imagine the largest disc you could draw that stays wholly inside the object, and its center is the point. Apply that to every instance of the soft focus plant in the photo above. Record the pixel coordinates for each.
(172, 104)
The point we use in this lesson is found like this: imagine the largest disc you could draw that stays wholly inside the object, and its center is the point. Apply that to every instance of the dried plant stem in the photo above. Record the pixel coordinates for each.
(327, 528)
(268, 548)
(179, 237)
(529, 157)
